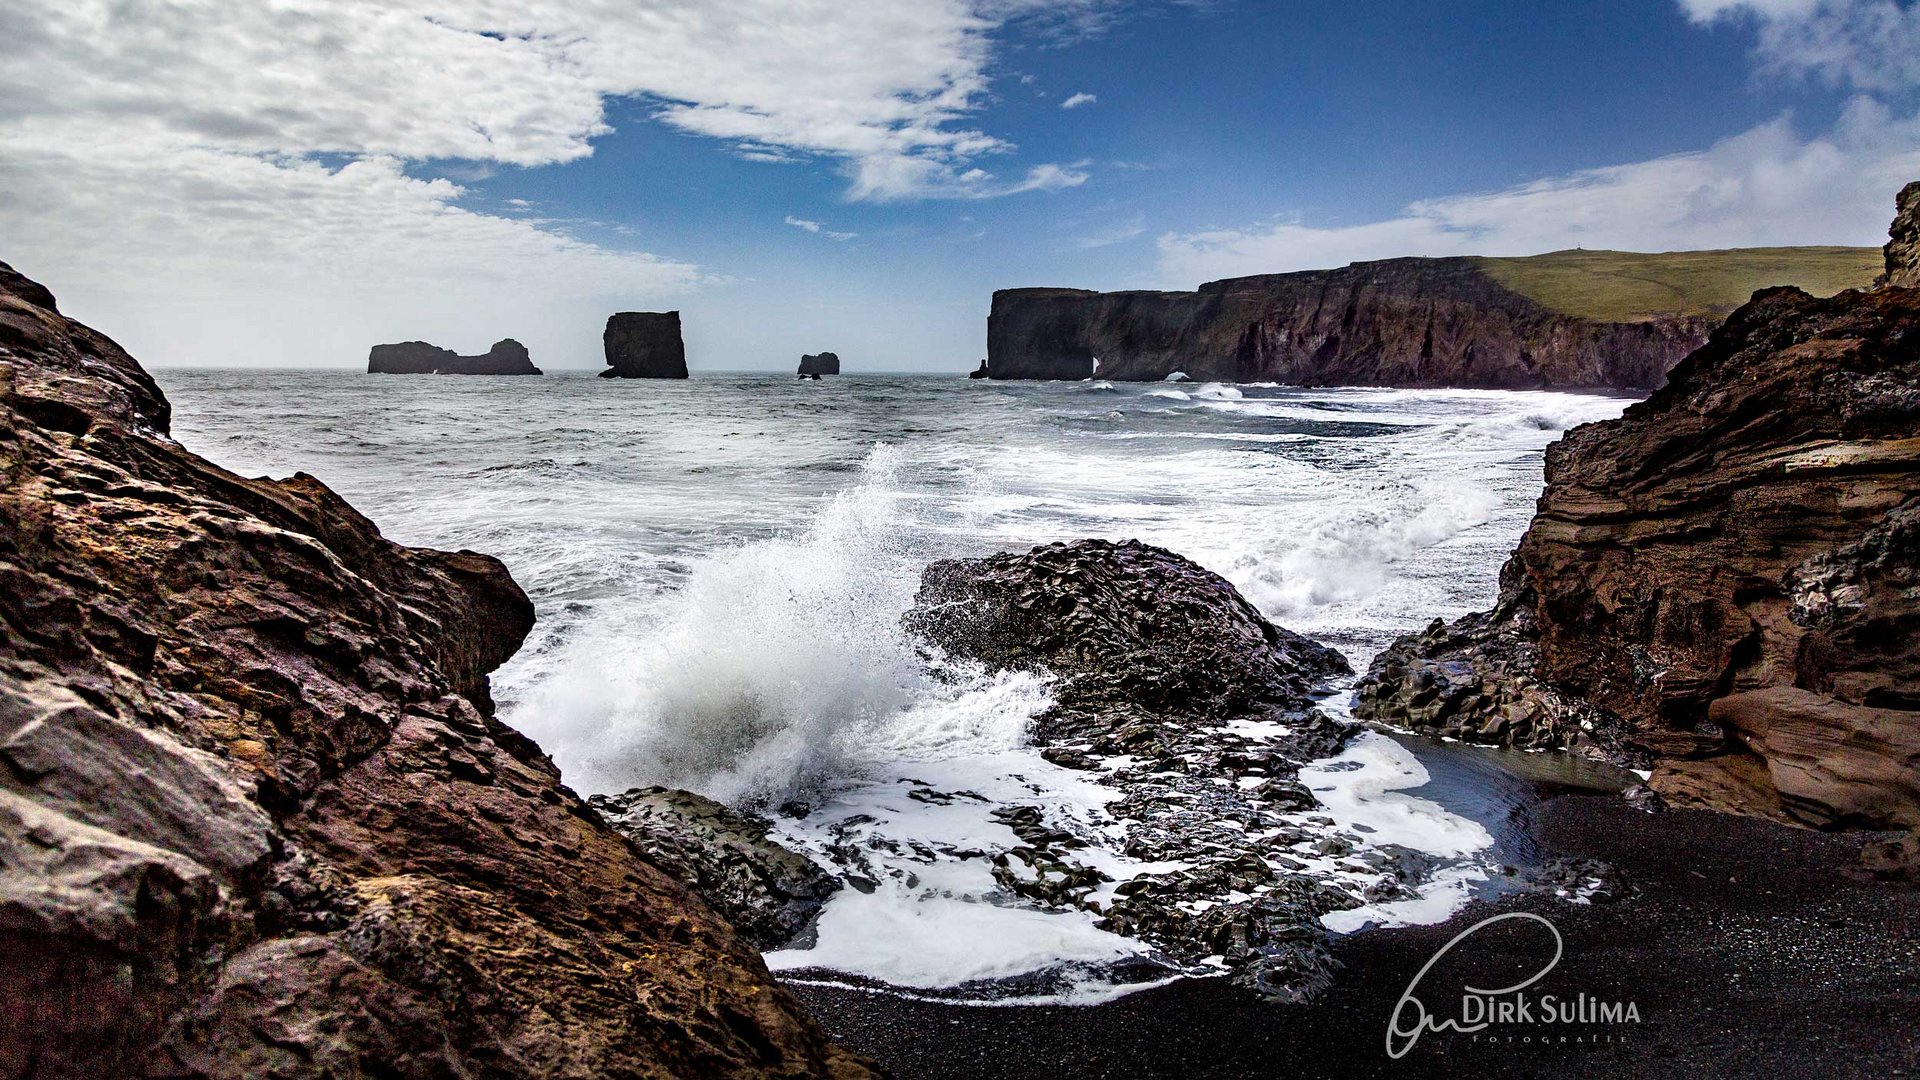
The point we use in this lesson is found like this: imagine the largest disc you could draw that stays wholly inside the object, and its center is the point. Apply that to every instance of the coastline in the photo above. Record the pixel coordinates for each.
(1794, 966)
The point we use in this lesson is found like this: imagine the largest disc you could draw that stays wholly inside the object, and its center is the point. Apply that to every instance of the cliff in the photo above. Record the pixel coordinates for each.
(816, 364)
(644, 345)
(1723, 583)
(1902, 252)
(1566, 320)
(256, 814)
(507, 357)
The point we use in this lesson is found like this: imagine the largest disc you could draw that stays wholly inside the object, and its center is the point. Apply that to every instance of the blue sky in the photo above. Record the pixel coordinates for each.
(233, 186)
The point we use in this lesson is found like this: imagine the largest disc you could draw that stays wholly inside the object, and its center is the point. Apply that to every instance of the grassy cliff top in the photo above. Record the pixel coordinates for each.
(1630, 286)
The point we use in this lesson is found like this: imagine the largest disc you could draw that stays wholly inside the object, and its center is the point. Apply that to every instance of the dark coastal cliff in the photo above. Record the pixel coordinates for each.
(507, 357)
(644, 345)
(1724, 582)
(1398, 322)
(256, 814)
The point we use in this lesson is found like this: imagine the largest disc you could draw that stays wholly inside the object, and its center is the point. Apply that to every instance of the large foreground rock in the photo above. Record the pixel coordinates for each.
(1724, 582)
(1170, 687)
(507, 357)
(644, 345)
(256, 815)
(1903, 241)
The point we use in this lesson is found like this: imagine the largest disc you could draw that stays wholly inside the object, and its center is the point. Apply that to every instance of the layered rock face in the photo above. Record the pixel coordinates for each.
(1903, 242)
(1398, 322)
(256, 814)
(644, 345)
(1724, 582)
(507, 357)
(818, 364)
(1162, 667)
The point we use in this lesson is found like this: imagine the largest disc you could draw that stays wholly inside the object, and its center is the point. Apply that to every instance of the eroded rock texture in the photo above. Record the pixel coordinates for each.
(1903, 241)
(1725, 581)
(256, 815)
(768, 893)
(506, 357)
(644, 345)
(1397, 322)
(1170, 687)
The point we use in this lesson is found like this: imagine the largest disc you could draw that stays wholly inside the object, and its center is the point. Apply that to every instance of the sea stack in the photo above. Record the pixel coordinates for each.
(814, 365)
(645, 345)
(507, 357)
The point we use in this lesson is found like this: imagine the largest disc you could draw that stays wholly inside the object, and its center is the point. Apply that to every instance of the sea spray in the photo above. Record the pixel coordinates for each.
(761, 677)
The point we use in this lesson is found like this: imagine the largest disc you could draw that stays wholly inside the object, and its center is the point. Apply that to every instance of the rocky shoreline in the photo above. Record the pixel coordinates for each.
(257, 816)
(1720, 583)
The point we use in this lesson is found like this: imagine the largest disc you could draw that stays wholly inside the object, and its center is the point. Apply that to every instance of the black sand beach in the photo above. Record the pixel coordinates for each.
(1748, 949)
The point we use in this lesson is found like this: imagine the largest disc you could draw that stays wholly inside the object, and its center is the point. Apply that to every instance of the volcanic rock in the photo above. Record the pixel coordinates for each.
(818, 364)
(1170, 687)
(1724, 582)
(507, 357)
(768, 893)
(257, 817)
(644, 345)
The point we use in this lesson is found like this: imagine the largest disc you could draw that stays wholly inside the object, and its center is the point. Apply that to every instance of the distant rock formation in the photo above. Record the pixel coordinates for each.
(1903, 244)
(1400, 322)
(507, 357)
(257, 814)
(1723, 583)
(644, 345)
(979, 372)
(814, 365)
(1569, 319)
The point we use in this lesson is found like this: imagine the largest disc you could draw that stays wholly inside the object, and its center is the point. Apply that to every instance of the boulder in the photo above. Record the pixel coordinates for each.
(818, 364)
(768, 893)
(1723, 583)
(644, 345)
(507, 357)
(257, 815)
(1170, 687)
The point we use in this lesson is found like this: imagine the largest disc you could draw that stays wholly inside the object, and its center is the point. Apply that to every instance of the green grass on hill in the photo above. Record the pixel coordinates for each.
(1628, 286)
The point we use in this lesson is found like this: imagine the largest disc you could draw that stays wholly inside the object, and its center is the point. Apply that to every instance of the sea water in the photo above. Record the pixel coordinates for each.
(720, 566)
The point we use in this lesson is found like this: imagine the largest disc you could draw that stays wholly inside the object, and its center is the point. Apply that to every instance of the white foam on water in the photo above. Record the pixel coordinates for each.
(1364, 785)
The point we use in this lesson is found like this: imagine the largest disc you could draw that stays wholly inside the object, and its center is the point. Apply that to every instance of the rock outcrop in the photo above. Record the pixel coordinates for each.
(507, 357)
(815, 365)
(1724, 582)
(257, 817)
(768, 893)
(1172, 688)
(1903, 241)
(644, 345)
(1398, 322)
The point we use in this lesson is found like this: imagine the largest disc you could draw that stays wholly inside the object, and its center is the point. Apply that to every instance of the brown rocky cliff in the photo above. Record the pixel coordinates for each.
(1397, 322)
(1903, 241)
(1724, 582)
(256, 815)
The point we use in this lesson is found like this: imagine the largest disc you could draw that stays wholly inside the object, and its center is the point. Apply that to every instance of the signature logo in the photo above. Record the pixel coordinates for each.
(1482, 1008)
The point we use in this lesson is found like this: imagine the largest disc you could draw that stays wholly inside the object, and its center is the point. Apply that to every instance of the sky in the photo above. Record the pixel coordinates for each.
(288, 182)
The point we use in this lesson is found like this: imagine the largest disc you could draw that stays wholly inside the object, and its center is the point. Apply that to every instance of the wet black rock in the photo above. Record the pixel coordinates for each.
(768, 893)
(1171, 688)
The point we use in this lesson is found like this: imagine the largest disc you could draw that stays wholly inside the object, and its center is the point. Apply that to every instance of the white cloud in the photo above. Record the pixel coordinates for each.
(815, 227)
(276, 151)
(1869, 44)
(1079, 99)
(1767, 186)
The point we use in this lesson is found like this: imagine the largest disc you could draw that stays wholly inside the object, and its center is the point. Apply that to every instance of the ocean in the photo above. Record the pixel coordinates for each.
(720, 566)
